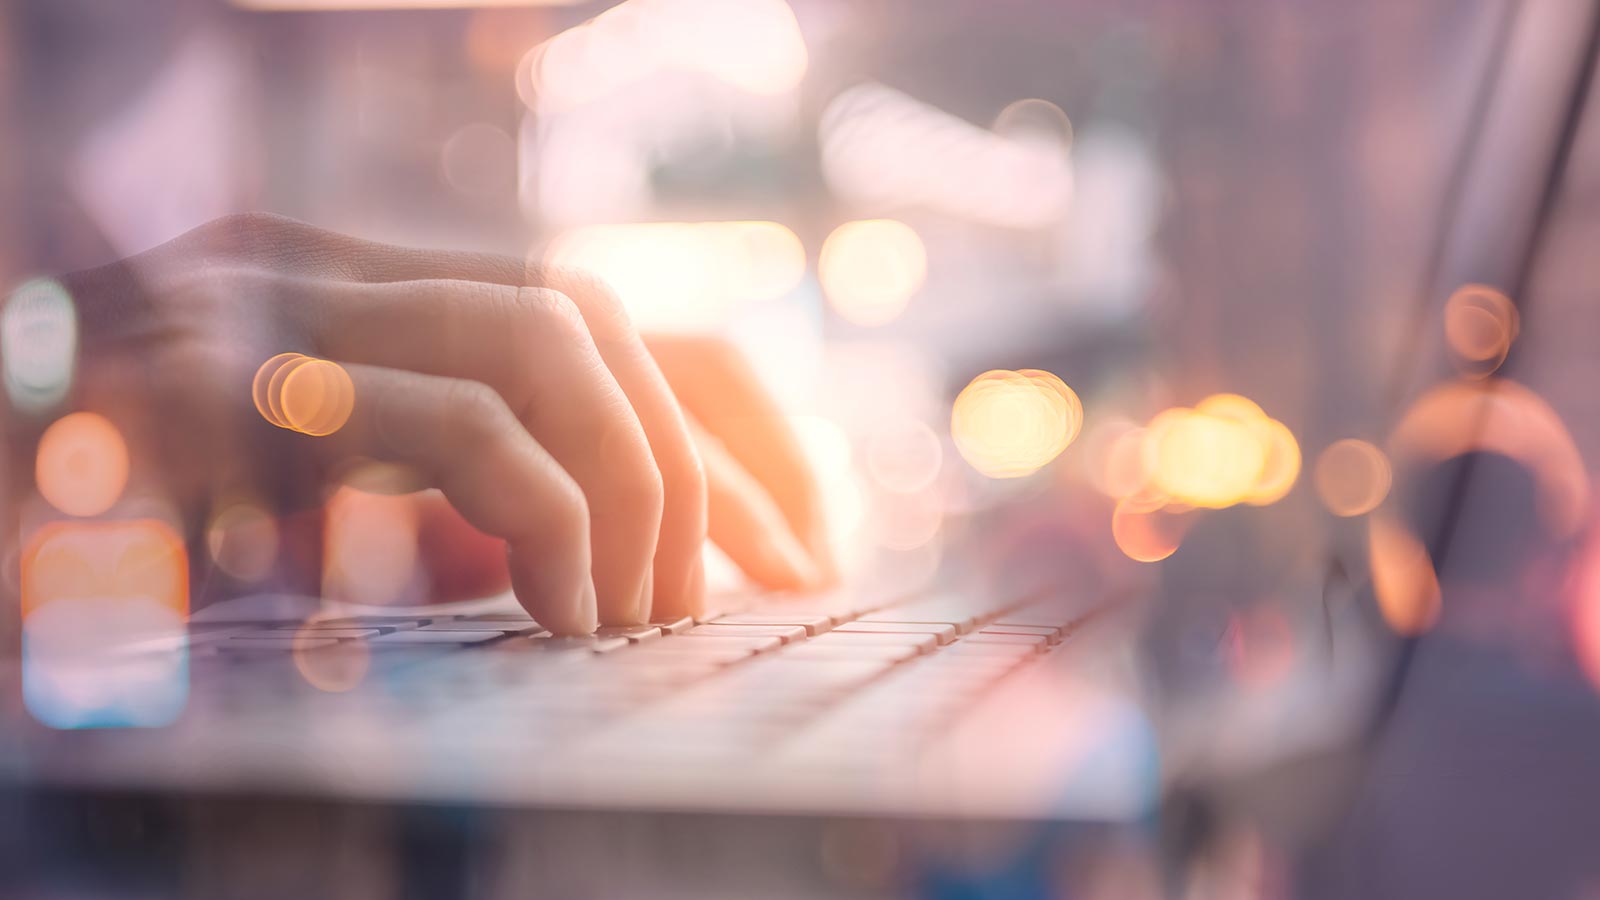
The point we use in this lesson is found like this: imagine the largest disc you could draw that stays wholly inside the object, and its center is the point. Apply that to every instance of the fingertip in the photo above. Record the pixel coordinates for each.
(567, 610)
(581, 617)
(646, 598)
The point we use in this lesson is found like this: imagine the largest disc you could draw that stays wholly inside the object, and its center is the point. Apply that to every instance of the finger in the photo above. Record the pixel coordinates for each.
(464, 440)
(532, 347)
(721, 391)
(282, 244)
(286, 246)
(748, 526)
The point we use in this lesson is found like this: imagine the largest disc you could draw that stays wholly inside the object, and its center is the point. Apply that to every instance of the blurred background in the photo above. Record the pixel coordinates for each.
(1075, 258)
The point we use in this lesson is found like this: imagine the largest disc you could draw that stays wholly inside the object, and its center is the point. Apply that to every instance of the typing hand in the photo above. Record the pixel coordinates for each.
(523, 394)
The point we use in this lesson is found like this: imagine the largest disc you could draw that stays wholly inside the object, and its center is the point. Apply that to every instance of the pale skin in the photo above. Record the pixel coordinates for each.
(603, 459)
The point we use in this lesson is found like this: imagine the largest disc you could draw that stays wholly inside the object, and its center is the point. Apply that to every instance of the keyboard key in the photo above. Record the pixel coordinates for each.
(274, 643)
(982, 648)
(652, 658)
(1037, 641)
(784, 633)
(1051, 634)
(592, 643)
(811, 650)
(633, 634)
(518, 616)
(432, 638)
(1041, 615)
(676, 626)
(697, 643)
(944, 634)
(813, 624)
(962, 619)
(340, 634)
(922, 642)
(393, 623)
(468, 625)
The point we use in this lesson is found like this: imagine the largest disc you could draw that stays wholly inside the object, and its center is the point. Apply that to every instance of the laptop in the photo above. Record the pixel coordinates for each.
(982, 730)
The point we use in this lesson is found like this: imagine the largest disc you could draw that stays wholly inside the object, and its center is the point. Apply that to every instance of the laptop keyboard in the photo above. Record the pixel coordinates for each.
(828, 680)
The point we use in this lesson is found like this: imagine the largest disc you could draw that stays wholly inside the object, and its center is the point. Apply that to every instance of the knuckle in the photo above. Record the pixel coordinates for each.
(236, 228)
(476, 413)
(569, 511)
(547, 307)
(598, 303)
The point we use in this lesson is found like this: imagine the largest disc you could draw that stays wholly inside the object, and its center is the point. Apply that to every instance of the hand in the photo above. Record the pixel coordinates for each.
(523, 394)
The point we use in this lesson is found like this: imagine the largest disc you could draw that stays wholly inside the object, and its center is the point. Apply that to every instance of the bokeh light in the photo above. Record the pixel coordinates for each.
(882, 148)
(1480, 324)
(332, 669)
(1203, 460)
(686, 276)
(1010, 424)
(754, 46)
(300, 393)
(1224, 451)
(871, 269)
(1352, 477)
(242, 539)
(904, 456)
(82, 464)
(1145, 531)
(1403, 577)
(1504, 417)
(38, 344)
(479, 159)
(90, 592)
(370, 548)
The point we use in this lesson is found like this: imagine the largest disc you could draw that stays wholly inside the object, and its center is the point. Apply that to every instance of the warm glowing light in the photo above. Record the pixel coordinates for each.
(92, 591)
(1501, 416)
(1202, 459)
(871, 269)
(335, 5)
(1585, 608)
(38, 344)
(1117, 467)
(300, 393)
(904, 456)
(1352, 477)
(243, 541)
(1034, 119)
(1282, 466)
(333, 669)
(1011, 424)
(1224, 451)
(686, 275)
(1479, 325)
(1403, 577)
(318, 397)
(1144, 531)
(479, 158)
(826, 446)
(82, 466)
(882, 148)
(370, 548)
(752, 46)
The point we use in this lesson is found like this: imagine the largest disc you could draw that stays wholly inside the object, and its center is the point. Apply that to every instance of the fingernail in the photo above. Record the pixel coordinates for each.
(646, 598)
(586, 617)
